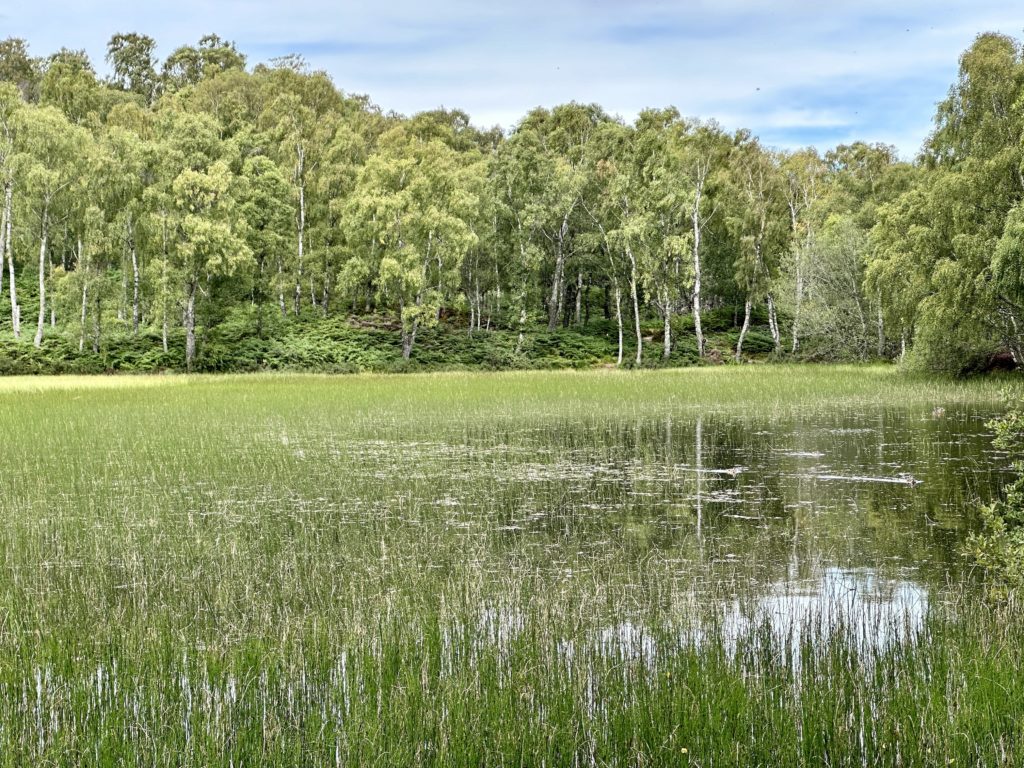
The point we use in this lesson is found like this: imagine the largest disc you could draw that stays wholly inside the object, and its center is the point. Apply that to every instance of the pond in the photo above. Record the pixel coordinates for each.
(827, 517)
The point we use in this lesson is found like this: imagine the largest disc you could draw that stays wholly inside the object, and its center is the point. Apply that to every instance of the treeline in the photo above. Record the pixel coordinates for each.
(175, 197)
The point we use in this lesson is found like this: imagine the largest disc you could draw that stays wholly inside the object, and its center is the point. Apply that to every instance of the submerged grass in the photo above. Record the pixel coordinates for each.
(304, 570)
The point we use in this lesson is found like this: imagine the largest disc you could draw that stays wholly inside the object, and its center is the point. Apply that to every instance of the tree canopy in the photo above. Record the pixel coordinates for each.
(172, 197)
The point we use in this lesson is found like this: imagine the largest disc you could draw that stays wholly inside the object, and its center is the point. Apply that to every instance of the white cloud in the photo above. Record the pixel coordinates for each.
(796, 71)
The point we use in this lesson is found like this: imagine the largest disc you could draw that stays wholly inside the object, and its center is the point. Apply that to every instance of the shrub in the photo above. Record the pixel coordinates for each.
(999, 547)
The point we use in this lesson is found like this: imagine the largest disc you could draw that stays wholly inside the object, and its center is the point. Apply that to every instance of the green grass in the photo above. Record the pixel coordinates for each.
(788, 387)
(277, 570)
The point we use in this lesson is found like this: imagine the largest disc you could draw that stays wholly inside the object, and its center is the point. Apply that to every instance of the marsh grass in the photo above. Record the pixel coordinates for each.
(315, 571)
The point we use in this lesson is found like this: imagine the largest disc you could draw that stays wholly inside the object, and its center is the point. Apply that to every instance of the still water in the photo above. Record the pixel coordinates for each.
(817, 519)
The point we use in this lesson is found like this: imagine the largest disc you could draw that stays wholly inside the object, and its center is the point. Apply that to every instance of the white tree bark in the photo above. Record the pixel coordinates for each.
(666, 352)
(799, 301)
(97, 319)
(135, 280)
(881, 328)
(85, 313)
(190, 326)
(522, 328)
(579, 296)
(42, 277)
(743, 331)
(773, 324)
(555, 299)
(618, 321)
(12, 286)
(4, 213)
(695, 219)
(636, 305)
(300, 177)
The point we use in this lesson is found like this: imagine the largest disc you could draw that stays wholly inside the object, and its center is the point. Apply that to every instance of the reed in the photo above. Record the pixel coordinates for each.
(410, 570)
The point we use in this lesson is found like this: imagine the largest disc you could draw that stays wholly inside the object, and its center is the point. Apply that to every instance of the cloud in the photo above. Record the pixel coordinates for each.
(793, 72)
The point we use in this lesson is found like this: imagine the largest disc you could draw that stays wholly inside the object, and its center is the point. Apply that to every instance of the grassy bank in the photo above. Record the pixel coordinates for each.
(283, 570)
(564, 394)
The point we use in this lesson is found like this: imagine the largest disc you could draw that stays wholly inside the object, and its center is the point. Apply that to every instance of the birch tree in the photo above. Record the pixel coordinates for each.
(697, 159)
(208, 242)
(132, 59)
(761, 224)
(10, 104)
(50, 151)
(805, 177)
(561, 136)
(265, 201)
(413, 199)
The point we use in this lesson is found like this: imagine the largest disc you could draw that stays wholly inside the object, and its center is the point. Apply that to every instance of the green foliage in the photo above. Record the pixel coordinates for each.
(999, 547)
(947, 247)
(186, 192)
(252, 338)
(134, 65)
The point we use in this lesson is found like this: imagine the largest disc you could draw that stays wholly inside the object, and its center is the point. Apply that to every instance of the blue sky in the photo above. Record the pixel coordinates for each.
(795, 72)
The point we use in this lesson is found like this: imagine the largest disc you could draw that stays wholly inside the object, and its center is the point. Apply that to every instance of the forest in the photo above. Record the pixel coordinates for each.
(202, 213)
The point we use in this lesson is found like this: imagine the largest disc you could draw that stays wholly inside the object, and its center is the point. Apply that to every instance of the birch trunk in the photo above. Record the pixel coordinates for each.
(863, 324)
(85, 314)
(555, 299)
(667, 351)
(97, 319)
(4, 214)
(163, 286)
(618, 321)
(409, 339)
(15, 308)
(6, 236)
(743, 331)
(42, 277)
(799, 301)
(497, 300)
(579, 296)
(881, 329)
(135, 281)
(280, 289)
(522, 330)
(697, 327)
(773, 324)
(636, 306)
(190, 326)
(798, 262)
(479, 304)
(300, 170)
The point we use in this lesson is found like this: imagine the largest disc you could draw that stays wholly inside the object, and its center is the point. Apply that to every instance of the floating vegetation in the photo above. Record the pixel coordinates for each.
(561, 569)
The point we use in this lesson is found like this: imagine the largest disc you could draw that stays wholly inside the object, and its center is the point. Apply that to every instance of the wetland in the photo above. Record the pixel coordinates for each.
(738, 566)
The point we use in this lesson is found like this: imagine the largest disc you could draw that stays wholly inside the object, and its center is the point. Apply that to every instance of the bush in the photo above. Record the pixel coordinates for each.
(242, 341)
(999, 547)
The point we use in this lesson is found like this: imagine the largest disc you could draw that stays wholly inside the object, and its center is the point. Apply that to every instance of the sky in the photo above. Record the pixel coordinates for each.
(796, 73)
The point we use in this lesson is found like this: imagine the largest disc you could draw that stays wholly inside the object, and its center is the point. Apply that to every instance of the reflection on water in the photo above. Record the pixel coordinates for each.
(870, 611)
(833, 519)
(875, 611)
